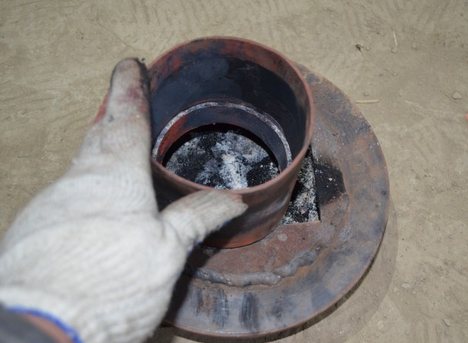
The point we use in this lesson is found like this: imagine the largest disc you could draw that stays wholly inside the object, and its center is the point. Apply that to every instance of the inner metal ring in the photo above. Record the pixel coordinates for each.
(223, 112)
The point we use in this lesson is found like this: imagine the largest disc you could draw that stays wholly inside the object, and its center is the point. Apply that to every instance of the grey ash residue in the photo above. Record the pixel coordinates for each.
(230, 160)
(223, 160)
(303, 205)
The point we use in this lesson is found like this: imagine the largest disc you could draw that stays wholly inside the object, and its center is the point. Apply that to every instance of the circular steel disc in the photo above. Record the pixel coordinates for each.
(299, 270)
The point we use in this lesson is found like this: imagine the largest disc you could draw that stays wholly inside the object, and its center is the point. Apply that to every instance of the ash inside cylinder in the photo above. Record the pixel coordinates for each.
(222, 159)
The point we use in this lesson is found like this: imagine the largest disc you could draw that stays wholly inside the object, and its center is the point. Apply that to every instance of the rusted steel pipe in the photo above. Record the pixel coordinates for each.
(233, 81)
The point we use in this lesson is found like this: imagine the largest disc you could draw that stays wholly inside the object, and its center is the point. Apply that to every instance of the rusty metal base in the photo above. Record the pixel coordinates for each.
(299, 270)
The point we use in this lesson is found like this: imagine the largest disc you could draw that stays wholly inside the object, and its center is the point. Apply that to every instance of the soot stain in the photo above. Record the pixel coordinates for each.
(199, 301)
(329, 182)
(277, 309)
(249, 312)
(221, 308)
(281, 306)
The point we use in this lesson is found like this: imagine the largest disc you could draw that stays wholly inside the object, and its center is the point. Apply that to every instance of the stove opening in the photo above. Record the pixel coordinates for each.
(222, 156)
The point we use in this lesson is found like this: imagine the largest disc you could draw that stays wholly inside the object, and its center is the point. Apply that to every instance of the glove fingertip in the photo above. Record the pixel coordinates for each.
(198, 214)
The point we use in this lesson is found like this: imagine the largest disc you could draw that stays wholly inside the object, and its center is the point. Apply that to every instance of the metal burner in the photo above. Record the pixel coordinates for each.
(302, 269)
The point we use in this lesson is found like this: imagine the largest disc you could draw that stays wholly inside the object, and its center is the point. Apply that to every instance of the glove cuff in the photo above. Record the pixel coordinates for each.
(59, 311)
(69, 331)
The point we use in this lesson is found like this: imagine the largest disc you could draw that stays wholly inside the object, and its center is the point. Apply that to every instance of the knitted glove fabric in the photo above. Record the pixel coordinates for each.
(92, 249)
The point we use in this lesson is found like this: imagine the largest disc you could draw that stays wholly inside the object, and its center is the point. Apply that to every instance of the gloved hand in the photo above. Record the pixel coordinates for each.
(92, 250)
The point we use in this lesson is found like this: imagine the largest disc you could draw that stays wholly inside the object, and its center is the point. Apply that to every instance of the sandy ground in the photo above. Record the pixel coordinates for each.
(411, 56)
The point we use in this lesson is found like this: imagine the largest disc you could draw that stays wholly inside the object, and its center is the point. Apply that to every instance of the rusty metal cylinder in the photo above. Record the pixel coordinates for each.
(243, 84)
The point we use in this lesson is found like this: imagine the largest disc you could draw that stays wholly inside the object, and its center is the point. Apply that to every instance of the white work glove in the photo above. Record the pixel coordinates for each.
(91, 250)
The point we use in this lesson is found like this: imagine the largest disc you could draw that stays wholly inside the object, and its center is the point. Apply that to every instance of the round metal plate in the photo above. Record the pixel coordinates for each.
(299, 270)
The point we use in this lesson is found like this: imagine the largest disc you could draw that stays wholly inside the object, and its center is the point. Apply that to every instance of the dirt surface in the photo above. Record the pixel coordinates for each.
(406, 61)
